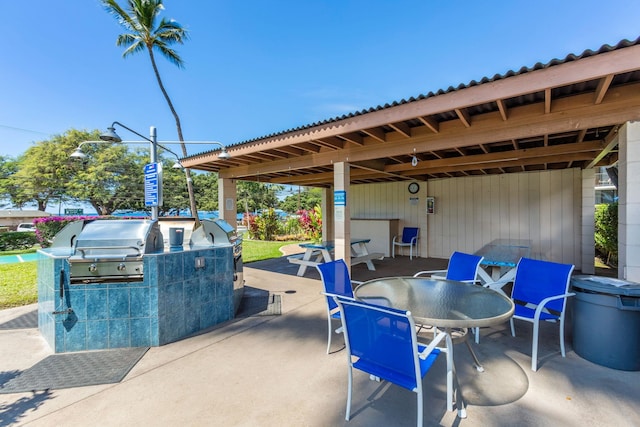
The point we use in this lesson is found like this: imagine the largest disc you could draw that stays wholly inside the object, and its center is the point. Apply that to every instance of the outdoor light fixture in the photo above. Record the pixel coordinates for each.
(414, 159)
(152, 172)
(78, 154)
(111, 136)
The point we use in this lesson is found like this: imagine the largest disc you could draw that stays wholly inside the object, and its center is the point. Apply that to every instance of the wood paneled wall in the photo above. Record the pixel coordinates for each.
(544, 207)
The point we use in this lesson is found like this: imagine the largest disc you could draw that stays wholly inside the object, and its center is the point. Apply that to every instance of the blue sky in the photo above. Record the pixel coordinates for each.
(255, 67)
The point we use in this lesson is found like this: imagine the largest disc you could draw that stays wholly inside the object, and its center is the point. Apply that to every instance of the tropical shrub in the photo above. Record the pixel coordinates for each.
(311, 223)
(606, 233)
(267, 224)
(47, 228)
(17, 240)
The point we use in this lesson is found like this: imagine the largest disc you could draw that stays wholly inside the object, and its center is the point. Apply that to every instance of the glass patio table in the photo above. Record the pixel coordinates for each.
(445, 304)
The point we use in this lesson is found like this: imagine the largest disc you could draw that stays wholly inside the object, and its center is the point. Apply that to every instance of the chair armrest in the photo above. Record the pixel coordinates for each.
(544, 302)
(432, 345)
(414, 240)
(357, 282)
(394, 239)
(420, 273)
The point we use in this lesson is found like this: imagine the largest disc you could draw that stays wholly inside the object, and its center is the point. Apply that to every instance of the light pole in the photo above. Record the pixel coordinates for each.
(110, 136)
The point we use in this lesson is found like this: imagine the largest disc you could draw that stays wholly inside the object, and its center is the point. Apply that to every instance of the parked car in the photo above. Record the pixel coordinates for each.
(26, 226)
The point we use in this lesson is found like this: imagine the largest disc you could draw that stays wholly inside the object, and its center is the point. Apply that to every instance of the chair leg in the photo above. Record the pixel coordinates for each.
(350, 385)
(513, 329)
(534, 347)
(420, 409)
(562, 335)
(330, 329)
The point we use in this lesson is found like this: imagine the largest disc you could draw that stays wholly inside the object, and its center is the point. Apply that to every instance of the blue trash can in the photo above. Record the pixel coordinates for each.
(606, 321)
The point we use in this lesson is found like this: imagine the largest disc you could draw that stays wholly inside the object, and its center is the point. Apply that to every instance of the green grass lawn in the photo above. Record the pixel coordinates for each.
(257, 250)
(18, 284)
(18, 281)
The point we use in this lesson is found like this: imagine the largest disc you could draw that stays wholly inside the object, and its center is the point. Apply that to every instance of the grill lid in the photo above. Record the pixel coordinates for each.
(214, 232)
(117, 239)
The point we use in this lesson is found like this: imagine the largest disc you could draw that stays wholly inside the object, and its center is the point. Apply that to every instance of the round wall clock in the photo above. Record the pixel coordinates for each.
(414, 188)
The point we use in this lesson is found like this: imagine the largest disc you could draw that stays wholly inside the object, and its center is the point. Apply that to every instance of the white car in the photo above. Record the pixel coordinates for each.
(26, 226)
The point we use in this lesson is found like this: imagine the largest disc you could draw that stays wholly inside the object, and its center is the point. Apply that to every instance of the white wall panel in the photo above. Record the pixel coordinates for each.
(544, 207)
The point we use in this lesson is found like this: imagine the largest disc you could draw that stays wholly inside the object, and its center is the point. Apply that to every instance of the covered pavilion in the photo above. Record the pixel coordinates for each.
(509, 156)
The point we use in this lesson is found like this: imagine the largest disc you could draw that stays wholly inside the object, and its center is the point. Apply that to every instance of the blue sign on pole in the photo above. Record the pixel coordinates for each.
(153, 184)
(340, 198)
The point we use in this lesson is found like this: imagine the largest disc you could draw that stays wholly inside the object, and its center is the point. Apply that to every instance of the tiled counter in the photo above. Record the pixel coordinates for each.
(174, 300)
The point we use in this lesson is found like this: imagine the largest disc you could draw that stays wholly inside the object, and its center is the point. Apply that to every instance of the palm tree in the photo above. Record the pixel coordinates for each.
(140, 21)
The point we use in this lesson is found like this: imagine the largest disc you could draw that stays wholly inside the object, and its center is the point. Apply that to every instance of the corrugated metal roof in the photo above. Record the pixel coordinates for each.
(511, 73)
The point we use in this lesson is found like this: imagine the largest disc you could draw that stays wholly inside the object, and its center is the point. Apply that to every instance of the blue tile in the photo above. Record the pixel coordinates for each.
(155, 337)
(76, 299)
(207, 291)
(97, 335)
(118, 303)
(119, 335)
(97, 304)
(141, 332)
(208, 316)
(139, 302)
(174, 267)
(191, 291)
(76, 337)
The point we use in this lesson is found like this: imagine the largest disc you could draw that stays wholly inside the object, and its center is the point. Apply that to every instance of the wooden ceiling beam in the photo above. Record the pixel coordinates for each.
(603, 86)
(502, 107)
(353, 137)
(431, 123)
(488, 159)
(547, 100)
(610, 143)
(331, 142)
(376, 133)
(513, 163)
(464, 116)
(401, 128)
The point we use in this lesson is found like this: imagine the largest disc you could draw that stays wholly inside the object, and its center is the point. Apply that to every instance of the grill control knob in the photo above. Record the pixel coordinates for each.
(93, 268)
(121, 266)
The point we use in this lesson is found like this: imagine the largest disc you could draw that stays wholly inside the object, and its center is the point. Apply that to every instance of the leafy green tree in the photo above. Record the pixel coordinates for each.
(8, 188)
(45, 170)
(306, 199)
(174, 189)
(145, 33)
(206, 189)
(110, 178)
(256, 196)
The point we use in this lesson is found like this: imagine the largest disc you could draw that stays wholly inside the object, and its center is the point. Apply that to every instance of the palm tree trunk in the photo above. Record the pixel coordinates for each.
(187, 171)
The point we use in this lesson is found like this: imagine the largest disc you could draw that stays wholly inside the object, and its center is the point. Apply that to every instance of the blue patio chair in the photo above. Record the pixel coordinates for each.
(409, 239)
(462, 267)
(540, 292)
(336, 281)
(382, 342)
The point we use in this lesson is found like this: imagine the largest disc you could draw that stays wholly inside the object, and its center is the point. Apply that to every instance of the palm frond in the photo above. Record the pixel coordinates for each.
(170, 54)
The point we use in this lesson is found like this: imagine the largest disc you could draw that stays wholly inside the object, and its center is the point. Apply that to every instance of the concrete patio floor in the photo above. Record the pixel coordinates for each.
(273, 371)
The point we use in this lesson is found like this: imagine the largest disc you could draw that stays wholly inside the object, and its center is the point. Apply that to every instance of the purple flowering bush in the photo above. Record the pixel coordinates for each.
(311, 223)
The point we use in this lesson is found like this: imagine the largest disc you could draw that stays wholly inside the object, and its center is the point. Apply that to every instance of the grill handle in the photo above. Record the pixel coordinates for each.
(61, 284)
(87, 248)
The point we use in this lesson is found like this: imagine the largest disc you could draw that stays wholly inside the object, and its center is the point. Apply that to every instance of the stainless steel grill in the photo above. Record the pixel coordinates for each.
(109, 250)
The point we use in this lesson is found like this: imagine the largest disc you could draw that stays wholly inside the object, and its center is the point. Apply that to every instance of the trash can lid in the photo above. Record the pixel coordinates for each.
(605, 285)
